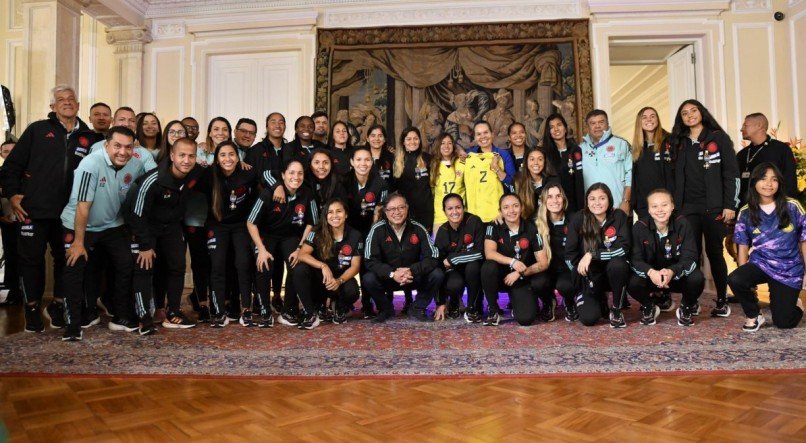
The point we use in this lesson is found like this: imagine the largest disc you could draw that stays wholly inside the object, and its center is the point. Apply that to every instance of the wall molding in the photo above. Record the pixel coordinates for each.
(11, 64)
(655, 6)
(794, 67)
(154, 53)
(737, 84)
(750, 6)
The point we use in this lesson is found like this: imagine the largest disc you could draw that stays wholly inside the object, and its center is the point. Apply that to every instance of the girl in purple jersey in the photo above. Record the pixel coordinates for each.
(775, 227)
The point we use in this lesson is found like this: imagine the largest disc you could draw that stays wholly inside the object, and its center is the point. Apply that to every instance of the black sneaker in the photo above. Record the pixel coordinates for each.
(204, 314)
(246, 319)
(266, 321)
(419, 314)
(617, 319)
(177, 320)
(695, 310)
(325, 314)
(472, 317)
(684, 317)
(73, 333)
(309, 322)
(493, 319)
(382, 316)
(147, 328)
(123, 325)
(665, 302)
(339, 317)
(454, 313)
(649, 313)
(219, 321)
(757, 323)
(90, 319)
(55, 313)
(33, 320)
(368, 312)
(288, 319)
(571, 313)
(547, 311)
(722, 309)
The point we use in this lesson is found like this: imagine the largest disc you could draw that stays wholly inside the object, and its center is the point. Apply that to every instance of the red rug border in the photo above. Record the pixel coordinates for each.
(281, 378)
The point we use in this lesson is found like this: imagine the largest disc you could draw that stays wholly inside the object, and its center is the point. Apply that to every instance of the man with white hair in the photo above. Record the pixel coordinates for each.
(37, 178)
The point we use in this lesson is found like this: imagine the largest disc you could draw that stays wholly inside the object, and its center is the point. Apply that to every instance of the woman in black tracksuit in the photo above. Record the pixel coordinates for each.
(596, 249)
(552, 223)
(278, 230)
(653, 163)
(515, 259)
(340, 149)
(230, 190)
(706, 188)
(530, 180)
(566, 158)
(460, 243)
(329, 261)
(411, 177)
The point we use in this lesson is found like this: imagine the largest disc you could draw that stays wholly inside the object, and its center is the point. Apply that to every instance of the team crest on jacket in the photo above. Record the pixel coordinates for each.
(83, 141)
(369, 197)
(166, 194)
(346, 250)
(413, 239)
(192, 184)
(611, 148)
(299, 215)
(68, 238)
(210, 234)
(610, 231)
(136, 155)
(712, 148)
(577, 156)
(468, 239)
(240, 190)
(523, 243)
(50, 135)
(127, 179)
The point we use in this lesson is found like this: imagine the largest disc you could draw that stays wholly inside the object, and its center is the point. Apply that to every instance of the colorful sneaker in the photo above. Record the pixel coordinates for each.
(756, 325)
(493, 319)
(33, 320)
(309, 322)
(617, 319)
(684, 315)
(547, 311)
(177, 320)
(722, 309)
(649, 313)
(246, 319)
(266, 321)
(123, 325)
(55, 313)
(288, 319)
(73, 333)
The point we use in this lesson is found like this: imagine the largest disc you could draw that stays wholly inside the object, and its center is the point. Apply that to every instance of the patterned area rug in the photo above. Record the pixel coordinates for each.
(403, 347)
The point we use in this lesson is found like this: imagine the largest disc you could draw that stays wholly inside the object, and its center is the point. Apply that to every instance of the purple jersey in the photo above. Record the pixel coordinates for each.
(775, 251)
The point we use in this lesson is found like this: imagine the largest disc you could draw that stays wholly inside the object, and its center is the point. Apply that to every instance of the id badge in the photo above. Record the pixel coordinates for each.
(746, 174)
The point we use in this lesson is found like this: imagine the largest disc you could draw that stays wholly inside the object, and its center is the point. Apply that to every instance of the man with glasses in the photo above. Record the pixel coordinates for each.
(192, 127)
(400, 256)
(245, 133)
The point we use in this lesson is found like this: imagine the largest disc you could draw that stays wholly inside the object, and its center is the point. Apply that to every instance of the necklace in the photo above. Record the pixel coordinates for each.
(749, 158)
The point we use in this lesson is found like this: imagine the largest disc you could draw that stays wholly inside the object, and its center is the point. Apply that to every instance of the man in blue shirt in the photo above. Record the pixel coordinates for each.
(606, 158)
(93, 220)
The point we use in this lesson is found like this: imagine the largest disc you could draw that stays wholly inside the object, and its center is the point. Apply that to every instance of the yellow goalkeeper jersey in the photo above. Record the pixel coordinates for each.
(450, 180)
(482, 186)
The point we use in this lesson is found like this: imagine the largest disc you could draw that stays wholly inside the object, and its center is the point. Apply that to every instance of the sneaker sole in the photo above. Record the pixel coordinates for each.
(168, 325)
(46, 315)
(120, 328)
(285, 322)
(719, 314)
(145, 333)
(92, 323)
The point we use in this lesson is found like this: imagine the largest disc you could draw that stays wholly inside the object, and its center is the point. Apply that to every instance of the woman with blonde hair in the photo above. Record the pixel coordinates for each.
(653, 163)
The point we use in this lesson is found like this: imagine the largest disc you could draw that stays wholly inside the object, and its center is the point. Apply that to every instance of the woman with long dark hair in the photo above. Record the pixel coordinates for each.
(706, 187)
(382, 156)
(410, 172)
(515, 260)
(322, 179)
(329, 261)
(278, 230)
(652, 158)
(447, 176)
(597, 248)
(174, 130)
(775, 226)
(516, 141)
(340, 148)
(530, 180)
(149, 133)
(566, 158)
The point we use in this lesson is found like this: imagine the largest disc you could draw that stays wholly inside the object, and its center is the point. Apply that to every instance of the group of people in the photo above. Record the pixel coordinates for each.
(120, 203)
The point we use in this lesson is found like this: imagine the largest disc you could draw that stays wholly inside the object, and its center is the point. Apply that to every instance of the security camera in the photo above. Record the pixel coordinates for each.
(779, 16)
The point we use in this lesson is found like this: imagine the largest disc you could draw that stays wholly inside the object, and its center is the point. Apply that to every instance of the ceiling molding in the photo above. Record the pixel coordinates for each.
(751, 6)
(655, 6)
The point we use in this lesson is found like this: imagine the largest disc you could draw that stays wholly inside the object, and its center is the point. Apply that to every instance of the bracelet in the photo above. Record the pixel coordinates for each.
(299, 246)
(340, 280)
(511, 262)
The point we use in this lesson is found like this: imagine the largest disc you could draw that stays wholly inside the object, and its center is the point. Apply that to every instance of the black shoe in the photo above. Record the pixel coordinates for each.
(288, 319)
(73, 333)
(33, 319)
(722, 309)
(617, 319)
(695, 310)
(309, 322)
(219, 321)
(649, 313)
(55, 313)
(246, 319)
(492, 319)
(571, 313)
(339, 317)
(382, 316)
(420, 314)
(472, 317)
(89, 319)
(204, 314)
(665, 302)
(266, 321)
(177, 320)
(759, 321)
(454, 313)
(547, 312)
(684, 317)
(368, 312)
(147, 327)
(325, 314)
(123, 325)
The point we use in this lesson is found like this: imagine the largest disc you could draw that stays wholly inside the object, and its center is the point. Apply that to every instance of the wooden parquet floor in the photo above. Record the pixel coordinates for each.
(745, 408)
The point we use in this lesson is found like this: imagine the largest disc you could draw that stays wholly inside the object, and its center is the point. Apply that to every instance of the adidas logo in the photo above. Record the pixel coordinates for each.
(50, 135)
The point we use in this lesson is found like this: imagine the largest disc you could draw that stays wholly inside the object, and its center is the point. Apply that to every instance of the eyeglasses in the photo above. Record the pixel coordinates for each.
(397, 208)
(177, 133)
(244, 131)
(195, 128)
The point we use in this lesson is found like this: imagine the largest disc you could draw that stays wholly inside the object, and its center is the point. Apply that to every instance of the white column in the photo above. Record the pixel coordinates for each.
(128, 42)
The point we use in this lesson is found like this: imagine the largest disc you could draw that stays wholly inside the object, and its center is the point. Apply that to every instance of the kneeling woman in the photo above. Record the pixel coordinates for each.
(278, 230)
(597, 246)
(515, 257)
(460, 243)
(329, 261)
(776, 228)
(664, 257)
